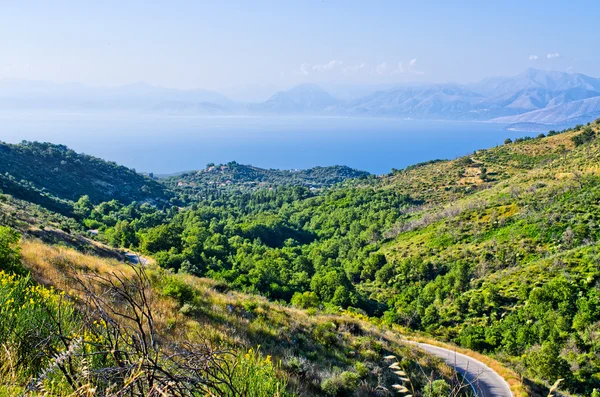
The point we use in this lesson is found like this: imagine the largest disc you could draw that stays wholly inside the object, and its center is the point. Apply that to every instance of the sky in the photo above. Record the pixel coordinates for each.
(245, 47)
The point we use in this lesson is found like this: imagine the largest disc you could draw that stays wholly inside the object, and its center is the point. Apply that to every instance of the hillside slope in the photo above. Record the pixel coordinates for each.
(502, 258)
(34, 171)
(242, 176)
(314, 353)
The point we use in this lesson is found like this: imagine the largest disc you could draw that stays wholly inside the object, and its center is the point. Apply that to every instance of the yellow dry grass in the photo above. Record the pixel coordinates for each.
(54, 265)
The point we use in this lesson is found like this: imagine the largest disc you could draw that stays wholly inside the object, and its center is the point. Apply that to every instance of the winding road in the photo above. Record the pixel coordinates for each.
(484, 380)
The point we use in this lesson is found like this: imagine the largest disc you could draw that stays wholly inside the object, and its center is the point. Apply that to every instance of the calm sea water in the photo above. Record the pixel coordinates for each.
(170, 144)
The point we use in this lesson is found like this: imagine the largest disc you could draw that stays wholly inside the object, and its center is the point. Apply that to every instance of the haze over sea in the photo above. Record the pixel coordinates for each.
(165, 145)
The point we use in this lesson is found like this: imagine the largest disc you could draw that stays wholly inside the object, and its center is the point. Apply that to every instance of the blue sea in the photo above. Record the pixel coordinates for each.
(165, 144)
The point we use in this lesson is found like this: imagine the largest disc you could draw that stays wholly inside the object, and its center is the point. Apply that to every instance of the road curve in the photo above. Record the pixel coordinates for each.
(484, 380)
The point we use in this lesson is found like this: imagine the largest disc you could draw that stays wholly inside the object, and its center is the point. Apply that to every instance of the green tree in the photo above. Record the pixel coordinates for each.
(547, 363)
(305, 300)
(83, 207)
(10, 257)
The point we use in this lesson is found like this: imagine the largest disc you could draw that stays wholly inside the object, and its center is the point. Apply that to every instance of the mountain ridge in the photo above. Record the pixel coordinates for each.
(487, 100)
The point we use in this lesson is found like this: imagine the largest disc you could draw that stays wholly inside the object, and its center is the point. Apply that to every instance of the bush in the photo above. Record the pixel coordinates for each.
(587, 135)
(546, 363)
(250, 305)
(473, 338)
(188, 309)
(10, 257)
(296, 365)
(325, 334)
(27, 320)
(437, 388)
(305, 300)
(255, 375)
(361, 369)
(178, 290)
(340, 384)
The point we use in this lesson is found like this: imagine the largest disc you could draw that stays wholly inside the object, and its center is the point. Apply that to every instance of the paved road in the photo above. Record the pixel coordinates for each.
(485, 381)
(136, 259)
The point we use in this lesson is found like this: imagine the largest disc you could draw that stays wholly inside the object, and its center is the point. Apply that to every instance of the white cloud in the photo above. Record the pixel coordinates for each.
(327, 66)
(412, 69)
(304, 68)
(353, 69)
(400, 69)
(382, 68)
(533, 57)
(554, 55)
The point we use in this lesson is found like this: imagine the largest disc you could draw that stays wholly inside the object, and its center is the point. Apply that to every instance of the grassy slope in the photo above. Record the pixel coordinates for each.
(311, 347)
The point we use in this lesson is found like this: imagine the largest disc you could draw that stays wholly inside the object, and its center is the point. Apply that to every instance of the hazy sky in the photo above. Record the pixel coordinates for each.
(228, 45)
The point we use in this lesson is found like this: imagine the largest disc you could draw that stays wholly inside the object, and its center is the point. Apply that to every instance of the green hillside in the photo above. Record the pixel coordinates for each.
(239, 176)
(48, 174)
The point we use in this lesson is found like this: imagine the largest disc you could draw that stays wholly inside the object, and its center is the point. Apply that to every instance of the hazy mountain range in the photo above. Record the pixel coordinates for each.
(534, 96)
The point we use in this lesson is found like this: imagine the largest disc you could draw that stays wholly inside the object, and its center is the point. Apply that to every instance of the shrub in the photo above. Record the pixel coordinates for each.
(325, 334)
(331, 386)
(255, 375)
(361, 369)
(587, 135)
(350, 380)
(341, 384)
(188, 309)
(27, 319)
(250, 305)
(178, 290)
(305, 300)
(546, 361)
(437, 388)
(296, 365)
(10, 257)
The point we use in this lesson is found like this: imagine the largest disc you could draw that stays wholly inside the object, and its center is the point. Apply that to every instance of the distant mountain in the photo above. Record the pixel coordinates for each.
(191, 108)
(555, 96)
(489, 99)
(427, 101)
(305, 98)
(566, 113)
(40, 95)
(534, 78)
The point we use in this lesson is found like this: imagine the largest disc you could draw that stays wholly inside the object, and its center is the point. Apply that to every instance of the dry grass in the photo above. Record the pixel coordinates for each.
(53, 265)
